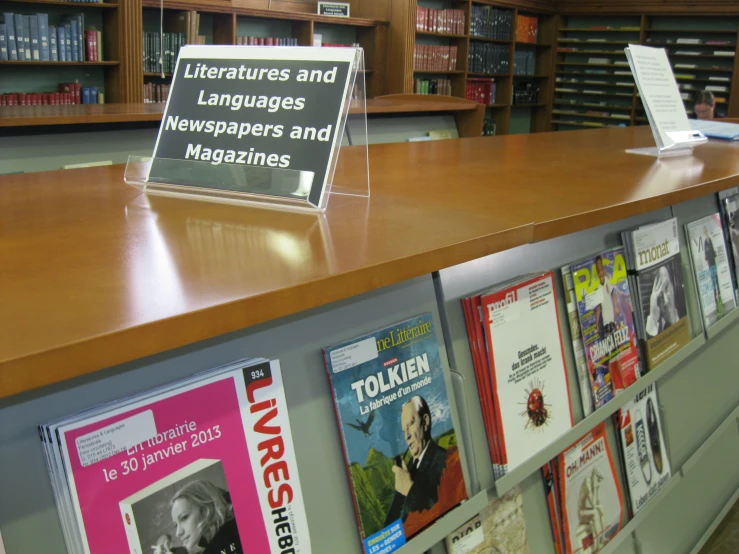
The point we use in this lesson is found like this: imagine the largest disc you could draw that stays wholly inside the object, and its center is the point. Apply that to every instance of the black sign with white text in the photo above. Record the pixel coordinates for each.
(336, 9)
(274, 109)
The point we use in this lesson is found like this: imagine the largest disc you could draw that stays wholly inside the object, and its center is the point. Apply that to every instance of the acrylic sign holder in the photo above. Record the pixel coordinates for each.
(683, 141)
(267, 187)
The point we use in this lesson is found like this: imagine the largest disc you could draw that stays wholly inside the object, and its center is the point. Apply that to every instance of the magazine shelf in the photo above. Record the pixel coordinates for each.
(633, 523)
(534, 463)
(445, 525)
(731, 420)
(716, 522)
(722, 324)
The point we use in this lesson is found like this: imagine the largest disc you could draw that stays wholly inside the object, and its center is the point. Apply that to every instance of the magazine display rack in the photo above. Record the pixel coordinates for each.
(697, 384)
(263, 186)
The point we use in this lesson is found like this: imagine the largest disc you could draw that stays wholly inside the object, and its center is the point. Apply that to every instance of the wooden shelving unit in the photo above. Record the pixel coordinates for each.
(110, 75)
(583, 37)
(532, 116)
(223, 24)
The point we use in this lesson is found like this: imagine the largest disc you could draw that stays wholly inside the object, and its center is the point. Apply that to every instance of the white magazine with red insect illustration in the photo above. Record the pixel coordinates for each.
(527, 367)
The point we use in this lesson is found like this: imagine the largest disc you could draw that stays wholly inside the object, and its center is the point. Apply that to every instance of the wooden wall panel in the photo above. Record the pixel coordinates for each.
(128, 49)
(401, 40)
(371, 9)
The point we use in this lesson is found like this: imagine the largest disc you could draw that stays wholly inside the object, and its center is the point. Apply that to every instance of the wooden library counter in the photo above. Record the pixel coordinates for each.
(93, 274)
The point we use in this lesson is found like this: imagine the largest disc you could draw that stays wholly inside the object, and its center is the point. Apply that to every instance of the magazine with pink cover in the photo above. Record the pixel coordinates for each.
(207, 467)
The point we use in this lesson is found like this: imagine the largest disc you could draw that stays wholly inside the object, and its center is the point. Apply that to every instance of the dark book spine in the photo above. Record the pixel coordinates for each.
(27, 37)
(3, 42)
(61, 44)
(53, 52)
(9, 21)
(19, 42)
(68, 41)
(43, 33)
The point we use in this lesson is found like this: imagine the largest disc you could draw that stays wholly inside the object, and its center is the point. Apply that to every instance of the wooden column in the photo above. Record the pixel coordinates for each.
(124, 83)
(401, 41)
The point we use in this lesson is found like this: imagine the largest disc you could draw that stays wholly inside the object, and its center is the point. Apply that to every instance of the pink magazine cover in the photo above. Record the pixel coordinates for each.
(208, 468)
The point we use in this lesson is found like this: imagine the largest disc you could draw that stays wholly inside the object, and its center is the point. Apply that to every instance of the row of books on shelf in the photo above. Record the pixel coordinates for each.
(156, 93)
(691, 40)
(127, 473)
(433, 86)
(527, 28)
(31, 38)
(427, 57)
(488, 127)
(488, 58)
(489, 22)
(481, 90)
(440, 21)
(266, 41)
(524, 62)
(161, 51)
(68, 93)
(526, 93)
(185, 22)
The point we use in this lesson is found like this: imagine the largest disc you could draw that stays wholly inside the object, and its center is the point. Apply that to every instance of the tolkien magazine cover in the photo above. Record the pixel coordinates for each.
(500, 528)
(643, 447)
(205, 467)
(592, 503)
(399, 440)
(711, 268)
(607, 323)
(661, 290)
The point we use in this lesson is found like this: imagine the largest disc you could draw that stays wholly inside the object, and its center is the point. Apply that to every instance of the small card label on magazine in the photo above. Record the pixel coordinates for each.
(353, 355)
(468, 542)
(119, 436)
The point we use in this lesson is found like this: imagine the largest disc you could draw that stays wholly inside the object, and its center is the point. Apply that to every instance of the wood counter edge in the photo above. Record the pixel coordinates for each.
(96, 353)
(588, 220)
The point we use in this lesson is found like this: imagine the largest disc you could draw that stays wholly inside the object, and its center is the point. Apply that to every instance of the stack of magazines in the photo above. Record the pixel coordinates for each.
(643, 448)
(602, 326)
(656, 277)
(584, 495)
(204, 464)
(514, 335)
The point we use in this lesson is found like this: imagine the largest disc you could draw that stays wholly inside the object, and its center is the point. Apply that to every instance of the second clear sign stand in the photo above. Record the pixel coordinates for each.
(275, 188)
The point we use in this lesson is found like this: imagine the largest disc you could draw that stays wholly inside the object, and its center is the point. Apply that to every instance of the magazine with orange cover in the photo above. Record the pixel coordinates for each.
(592, 500)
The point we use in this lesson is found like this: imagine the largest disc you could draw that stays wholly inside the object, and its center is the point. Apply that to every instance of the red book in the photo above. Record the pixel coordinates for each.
(90, 39)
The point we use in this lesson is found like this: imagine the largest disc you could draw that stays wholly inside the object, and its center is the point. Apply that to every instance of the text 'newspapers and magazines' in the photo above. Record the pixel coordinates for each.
(397, 431)
(205, 464)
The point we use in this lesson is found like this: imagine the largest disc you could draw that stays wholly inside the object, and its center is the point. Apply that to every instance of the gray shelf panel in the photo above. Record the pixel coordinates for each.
(731, 419)
(716, 522)
(640, 516)
(534, 463)
(445, 525)
(722, 324)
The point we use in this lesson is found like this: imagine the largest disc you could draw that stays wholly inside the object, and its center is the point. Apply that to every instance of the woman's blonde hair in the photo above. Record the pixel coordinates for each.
(211, 501)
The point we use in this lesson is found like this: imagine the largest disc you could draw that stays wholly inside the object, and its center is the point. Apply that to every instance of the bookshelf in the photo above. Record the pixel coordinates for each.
(593, 83)
(45, 76)
(223, 26)
(493, 54)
